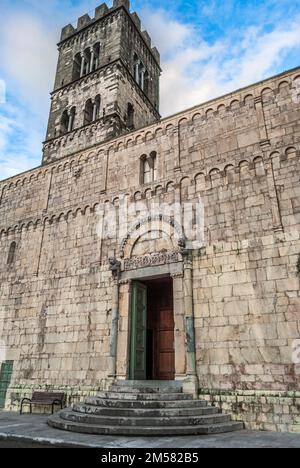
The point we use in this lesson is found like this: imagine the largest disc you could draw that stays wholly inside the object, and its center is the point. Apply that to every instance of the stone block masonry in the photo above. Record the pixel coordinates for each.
(260, 410)
(246, 326)
(240, 288)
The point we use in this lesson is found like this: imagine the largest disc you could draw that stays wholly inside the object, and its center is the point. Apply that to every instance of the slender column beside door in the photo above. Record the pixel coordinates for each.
(113, 345)
(124, 329)
(191, 384)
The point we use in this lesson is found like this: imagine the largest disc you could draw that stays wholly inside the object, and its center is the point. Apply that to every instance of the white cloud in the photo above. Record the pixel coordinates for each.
(28, 56)
(265, 52)
(19, 143)
(167, 34)
(15, 164)
(195, 71)
(6, 128)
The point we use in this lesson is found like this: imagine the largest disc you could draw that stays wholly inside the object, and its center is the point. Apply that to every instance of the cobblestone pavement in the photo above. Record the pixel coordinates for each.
(33, 431)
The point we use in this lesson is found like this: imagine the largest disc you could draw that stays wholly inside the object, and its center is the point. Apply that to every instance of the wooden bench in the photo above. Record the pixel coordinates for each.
(44, 399)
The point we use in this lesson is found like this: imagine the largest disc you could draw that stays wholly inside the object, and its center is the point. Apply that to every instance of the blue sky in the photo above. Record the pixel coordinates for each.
(208, 47)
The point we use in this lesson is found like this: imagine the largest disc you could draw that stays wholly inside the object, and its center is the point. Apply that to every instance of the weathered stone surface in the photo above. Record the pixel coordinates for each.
(240, 154)
(113, 413)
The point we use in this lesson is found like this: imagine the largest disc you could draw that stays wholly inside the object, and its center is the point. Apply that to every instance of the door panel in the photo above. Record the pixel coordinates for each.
(138, 332)
(166, 340)
(165, 364)
(165, 349)
(166, 319)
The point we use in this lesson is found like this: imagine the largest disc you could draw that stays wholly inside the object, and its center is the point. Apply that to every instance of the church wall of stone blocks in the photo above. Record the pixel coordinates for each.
(239, 154)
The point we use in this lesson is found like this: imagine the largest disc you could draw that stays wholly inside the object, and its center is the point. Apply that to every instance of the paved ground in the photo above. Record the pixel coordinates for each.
(32, 431)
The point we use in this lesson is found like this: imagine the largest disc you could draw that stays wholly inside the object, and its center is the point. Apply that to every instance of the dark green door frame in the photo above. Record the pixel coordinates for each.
(138, 341)
(5, 378)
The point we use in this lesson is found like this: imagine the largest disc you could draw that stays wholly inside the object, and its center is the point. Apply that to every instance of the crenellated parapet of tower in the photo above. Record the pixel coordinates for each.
(101, 12)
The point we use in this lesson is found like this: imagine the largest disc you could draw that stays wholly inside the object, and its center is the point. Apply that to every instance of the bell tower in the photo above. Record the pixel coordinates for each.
(106, 84)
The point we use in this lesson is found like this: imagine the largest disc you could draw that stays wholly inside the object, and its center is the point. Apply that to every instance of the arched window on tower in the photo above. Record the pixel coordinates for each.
(72, 119)
(88, 112)
(95, 59)
(12, 253)
(130, 116)
(136, 68)
(64, 123)
(67, 121)
(96, 110)
(92, 110)
(76, 67)
(87, 61)
(140, 74)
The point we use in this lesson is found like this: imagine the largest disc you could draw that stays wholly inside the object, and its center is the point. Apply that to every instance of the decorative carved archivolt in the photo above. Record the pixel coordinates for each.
(149, 219)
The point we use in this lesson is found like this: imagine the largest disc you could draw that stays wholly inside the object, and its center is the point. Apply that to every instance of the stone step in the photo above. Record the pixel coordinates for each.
(57, 422)
(153, 404)
(142, 390)
(148, 386)
(97, 420)
(145, 396)
(150, 383)
(140, 408)
(145, 412)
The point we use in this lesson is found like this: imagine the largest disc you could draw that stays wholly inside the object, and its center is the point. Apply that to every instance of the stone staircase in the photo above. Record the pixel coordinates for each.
(137, 408)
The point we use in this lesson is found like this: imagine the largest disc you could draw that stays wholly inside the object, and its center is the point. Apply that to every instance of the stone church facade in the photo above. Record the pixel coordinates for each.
(155, 249)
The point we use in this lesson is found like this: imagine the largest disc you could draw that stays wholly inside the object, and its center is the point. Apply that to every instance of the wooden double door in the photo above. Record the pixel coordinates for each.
(152, 354)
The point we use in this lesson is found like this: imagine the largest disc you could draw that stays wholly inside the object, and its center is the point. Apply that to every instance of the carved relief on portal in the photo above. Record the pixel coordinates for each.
(162, 258)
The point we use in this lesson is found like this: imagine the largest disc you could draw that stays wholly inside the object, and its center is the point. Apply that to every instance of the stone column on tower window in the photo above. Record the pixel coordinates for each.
(92, 59)
(137, 72)
(82, 65)
(142, 83)
(70, 124)
(95, 107)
